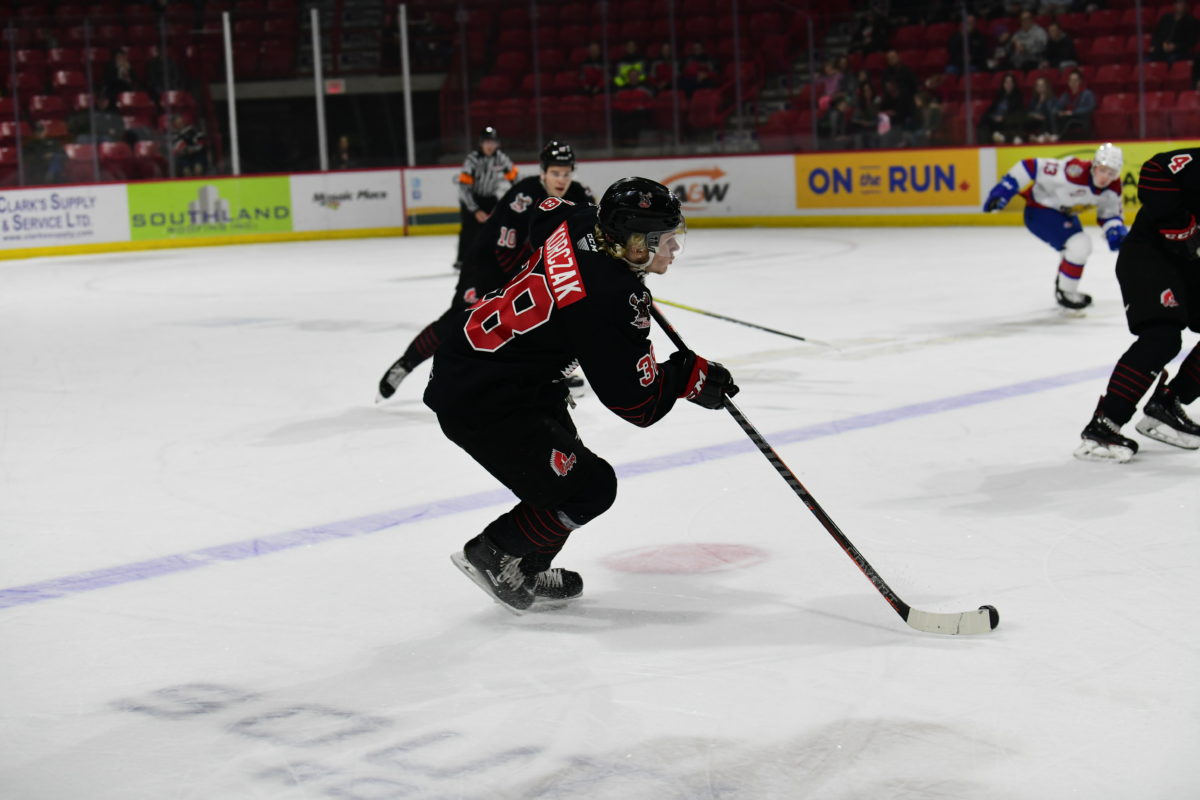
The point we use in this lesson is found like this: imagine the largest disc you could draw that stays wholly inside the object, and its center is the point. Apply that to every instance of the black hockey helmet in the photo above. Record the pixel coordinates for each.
(489, 133)
(638, 205)
(557, 154)
(642, 208)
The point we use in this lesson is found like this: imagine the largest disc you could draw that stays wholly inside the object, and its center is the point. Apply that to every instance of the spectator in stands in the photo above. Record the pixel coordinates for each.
(1176, 34)
(828, 84)
(344, 157)
(118, 76)
(865, 121)
(592, 71)
(898, 107)
(933, 85)
(662, 70)
(699, 70)
(45, 159)
(970, 51)
(838, 124)
(871, 34)
(1005, 117)
(1040, 119)
(1073, 113)
(188, 147)
(1060, 48)
(109, 127)
(896, 70)
(630, 72)
(1028, 44)
(922, 129)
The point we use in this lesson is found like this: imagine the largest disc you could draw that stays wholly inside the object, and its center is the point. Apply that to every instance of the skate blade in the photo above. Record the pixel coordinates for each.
(1154, 429)
(469, 570)
(1094, 451)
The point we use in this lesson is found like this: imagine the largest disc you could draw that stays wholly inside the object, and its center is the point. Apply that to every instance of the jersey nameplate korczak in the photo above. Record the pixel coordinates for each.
(562, 270)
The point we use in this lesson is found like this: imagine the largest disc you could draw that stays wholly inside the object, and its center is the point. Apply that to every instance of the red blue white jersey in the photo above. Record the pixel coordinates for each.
(1065, 185)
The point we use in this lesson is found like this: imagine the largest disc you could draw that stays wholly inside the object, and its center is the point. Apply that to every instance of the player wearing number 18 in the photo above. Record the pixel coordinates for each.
(495, 384)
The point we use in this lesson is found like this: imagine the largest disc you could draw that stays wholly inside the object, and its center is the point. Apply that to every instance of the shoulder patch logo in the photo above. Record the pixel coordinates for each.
(1178, 163)
(562, 270)
(1074, 170)
(520, 203)
(561, 463)
(551, 203)
(641, 310)
(1168, 298)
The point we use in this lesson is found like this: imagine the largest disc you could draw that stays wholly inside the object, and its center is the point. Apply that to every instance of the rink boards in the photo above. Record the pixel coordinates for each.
(943, 186)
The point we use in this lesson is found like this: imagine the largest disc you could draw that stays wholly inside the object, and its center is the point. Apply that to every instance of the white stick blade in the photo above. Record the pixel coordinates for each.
(982, 620)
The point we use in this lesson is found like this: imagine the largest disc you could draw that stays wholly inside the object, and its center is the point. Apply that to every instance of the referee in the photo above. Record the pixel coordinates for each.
(486, 175)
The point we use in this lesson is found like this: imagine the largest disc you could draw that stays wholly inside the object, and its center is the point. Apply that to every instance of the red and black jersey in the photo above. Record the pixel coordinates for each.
(569, 303)
(1169, 190)
(503, 243)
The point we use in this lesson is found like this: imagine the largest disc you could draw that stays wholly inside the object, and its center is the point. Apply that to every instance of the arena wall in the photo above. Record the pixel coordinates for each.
(865, 188)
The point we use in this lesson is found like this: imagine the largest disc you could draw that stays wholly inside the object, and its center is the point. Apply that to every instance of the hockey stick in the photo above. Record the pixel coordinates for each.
(742, 322)
(985, 619)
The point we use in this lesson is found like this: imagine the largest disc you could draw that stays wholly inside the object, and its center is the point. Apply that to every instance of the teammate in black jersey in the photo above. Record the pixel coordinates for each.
(580, 298)
(501, 247)
(1159, 273)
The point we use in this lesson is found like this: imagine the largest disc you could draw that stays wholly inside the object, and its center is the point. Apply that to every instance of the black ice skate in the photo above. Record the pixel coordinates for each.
(1166, 421)
(1072, 301)
(497, 573)
(392, 379)
(556, 585)
(1102, 441)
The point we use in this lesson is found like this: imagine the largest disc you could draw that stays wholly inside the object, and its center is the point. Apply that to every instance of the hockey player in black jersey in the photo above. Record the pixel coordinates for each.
(580, 298)
(1159, 272)
(501, 247)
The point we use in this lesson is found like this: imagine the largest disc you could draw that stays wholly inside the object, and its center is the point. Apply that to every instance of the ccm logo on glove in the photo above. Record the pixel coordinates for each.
(1181, 234)
(709, 384)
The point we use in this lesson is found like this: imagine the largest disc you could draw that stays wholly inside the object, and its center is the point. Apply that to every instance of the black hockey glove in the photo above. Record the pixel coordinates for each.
(708, 382)
(1187, 237)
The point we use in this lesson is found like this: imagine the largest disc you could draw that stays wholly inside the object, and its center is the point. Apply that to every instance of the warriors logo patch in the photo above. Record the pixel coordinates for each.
(1168, 299)
(644, 199)
(561, 463)
(641, 308)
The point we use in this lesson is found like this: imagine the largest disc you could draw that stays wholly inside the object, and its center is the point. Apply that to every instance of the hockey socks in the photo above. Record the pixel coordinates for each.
(422, 346)
(1187, 383)
(1126, 387)
(1066, 287)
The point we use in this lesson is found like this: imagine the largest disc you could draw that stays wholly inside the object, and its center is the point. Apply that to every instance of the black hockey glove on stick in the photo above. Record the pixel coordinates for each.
(708, 383)
(985, 619)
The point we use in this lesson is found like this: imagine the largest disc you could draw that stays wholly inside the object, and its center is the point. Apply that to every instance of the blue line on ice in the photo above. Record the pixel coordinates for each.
(265, 545)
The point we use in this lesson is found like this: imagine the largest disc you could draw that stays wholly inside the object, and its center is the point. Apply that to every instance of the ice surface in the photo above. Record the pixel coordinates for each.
(224, 572)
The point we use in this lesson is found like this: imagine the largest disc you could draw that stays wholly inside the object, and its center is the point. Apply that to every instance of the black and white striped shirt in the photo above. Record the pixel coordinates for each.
(484, 176)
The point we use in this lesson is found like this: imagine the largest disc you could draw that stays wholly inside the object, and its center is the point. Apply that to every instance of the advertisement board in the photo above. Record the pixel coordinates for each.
(218, 207)
(888, 179)
(63, 216)
(431, 196)
(367, 199)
